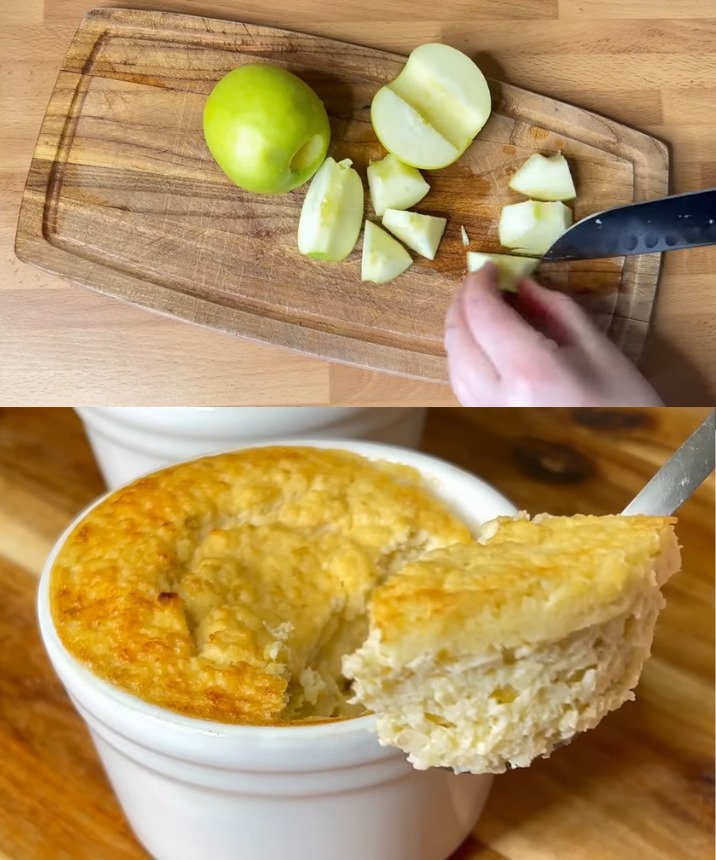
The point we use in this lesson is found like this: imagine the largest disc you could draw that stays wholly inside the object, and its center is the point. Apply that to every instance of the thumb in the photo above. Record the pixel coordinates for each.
(485, 278)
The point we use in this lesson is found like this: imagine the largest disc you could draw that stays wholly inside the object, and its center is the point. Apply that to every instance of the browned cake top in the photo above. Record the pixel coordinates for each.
(230, 587)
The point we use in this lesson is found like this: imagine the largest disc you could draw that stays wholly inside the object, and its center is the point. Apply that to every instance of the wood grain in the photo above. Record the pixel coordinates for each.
(123, 195)
(52, 334)
(640, 785)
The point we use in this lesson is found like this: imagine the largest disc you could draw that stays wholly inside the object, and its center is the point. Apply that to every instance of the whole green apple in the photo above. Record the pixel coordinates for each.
(266, 128)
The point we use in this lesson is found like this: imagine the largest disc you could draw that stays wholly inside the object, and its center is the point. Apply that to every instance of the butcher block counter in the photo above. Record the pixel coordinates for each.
(646, 64)
(638, 786)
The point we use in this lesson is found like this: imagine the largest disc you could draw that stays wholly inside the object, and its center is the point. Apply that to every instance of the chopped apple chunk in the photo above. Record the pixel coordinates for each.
(332, 212)
(384, 258)
(394, 185)
(533, 226)
(510, 269)
(544, 178)
(421, 233)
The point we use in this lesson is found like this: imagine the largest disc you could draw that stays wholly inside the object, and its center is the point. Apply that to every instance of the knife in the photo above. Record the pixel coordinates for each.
(683, 472)
(679, 221)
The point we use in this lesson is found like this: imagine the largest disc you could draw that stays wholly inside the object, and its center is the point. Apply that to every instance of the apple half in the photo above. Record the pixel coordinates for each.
(544, 177)
(421, 233)
(531, 227)
(332, 212)
(430, 113)
(510, 268)
(394, 185)
(384, 258)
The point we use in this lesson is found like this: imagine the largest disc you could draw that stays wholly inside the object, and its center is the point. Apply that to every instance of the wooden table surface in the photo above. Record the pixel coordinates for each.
(638, 786)
(648, 63)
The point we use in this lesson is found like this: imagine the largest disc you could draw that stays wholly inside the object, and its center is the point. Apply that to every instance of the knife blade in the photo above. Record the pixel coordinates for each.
(667, 224)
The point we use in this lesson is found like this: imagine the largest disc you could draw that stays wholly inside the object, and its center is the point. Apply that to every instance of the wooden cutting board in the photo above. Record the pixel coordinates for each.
(124, 197)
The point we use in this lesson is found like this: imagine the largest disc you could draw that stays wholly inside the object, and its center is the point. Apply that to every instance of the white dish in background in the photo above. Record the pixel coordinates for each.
(131, 441)
(194, 789)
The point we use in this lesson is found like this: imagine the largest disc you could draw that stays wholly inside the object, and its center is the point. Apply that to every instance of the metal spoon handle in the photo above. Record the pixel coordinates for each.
(683, 472)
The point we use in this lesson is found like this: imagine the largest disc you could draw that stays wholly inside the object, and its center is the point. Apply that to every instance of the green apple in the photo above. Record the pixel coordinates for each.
(510, 269)
(384, 258)
(544, 178)
(428, 116)
(267, 129)
(394, 185)
(422, 233)
(332, 212)
(532, 227)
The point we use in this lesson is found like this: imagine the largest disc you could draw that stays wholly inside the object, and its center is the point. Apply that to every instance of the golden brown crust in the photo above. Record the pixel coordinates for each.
(531, 581)
(178, 588)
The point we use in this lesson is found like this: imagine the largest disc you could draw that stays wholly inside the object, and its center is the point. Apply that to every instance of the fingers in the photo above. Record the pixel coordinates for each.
(473, 377)
(556, 314)
(501, 333)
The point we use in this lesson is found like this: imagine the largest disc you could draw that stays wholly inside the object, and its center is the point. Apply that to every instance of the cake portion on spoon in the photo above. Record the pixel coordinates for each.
(487, 655)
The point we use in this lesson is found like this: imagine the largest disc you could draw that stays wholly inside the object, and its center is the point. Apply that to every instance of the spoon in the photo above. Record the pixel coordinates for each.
(686, 469)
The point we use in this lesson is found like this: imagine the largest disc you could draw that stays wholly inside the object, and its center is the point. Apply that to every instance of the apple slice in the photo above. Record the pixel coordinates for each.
(532, 226)
(384, 258)
(510, 269)
(394, 185)
(332, 212)
(544, 178)
(428, 116)
(404, 133)
(422, 233)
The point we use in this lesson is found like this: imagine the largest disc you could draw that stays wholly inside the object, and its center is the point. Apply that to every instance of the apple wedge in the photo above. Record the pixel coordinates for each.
(332, 212)
(384, 258)
(510, 268)
(407, 135)
(394, 185)
(428, 116)
(421, 233)
(544, 178)
(531, 227)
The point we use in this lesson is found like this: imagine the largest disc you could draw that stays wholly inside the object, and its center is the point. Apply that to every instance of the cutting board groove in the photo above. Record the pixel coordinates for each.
(124, 197)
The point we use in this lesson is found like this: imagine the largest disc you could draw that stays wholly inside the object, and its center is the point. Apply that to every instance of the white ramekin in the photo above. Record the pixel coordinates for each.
(193, 789)
(131, 441)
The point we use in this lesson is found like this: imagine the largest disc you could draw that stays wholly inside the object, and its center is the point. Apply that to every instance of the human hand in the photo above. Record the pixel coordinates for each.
(542, 351)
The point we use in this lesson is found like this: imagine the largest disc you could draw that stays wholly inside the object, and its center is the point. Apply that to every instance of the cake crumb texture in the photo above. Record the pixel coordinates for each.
(484, 656)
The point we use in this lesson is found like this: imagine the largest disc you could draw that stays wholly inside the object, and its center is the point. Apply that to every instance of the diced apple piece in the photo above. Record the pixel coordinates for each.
(421, 233)
(384, 258)
(465, 237)
(332, 212)
(394, 185)
(533, 226)
(544, 178)
(430, 113)
(510, 269)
